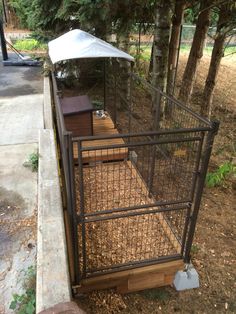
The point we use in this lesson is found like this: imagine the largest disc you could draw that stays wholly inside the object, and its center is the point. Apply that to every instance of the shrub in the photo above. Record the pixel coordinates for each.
(217, 177)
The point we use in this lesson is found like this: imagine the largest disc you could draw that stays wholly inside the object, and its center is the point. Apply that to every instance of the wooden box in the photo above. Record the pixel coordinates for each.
(77, 112)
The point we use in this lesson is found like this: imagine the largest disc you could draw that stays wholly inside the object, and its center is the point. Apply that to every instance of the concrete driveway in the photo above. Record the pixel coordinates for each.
(21, 117)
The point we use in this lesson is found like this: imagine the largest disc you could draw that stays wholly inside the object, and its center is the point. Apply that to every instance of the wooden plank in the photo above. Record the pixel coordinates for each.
(80, 124)
(146, 281)
(101, 154)
(103, 121)
(116, 154)
(134, 279)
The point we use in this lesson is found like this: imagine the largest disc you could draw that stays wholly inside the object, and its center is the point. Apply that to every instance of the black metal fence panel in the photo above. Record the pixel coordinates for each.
(134, 197)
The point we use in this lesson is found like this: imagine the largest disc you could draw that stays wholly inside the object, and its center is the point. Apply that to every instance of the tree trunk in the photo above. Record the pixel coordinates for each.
(217, 54)
(174, 44)
(196, 52)
(160, 57)
(11, 18)
(161, 43)
(123, 40)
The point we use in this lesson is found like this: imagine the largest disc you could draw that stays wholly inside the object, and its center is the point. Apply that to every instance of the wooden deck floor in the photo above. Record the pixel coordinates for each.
(102, 127)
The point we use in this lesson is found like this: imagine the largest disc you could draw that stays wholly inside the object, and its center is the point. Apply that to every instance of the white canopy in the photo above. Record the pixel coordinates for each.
(79, 44)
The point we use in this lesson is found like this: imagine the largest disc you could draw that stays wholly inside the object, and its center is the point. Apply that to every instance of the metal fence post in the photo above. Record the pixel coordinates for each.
(157, 108)
(130, 107)
(104, 85)
(3, 42)
(115, 92)
(81, 214)
(156, 126)
(199, 189)
(73, 207)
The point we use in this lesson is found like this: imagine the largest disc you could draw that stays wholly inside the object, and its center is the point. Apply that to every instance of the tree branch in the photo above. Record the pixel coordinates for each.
(215, 5)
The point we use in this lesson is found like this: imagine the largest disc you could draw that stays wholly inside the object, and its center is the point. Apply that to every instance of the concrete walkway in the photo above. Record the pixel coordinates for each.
(21, 118)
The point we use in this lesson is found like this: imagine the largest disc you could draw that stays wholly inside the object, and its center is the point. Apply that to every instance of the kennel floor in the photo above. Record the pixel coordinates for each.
(114, 242)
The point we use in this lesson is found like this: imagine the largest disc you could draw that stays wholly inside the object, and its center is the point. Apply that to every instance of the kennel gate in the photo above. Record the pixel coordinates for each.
(141, 210)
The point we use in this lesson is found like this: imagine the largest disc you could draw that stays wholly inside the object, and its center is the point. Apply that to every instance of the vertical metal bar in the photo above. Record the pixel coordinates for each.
(200, 185)
(4, 12)
(157, 108)
(81, 214)
(115, 93)
(156, 126)
(129, 100)
(152, 170)
(73, 206)
(3, 42)
(104, 85)
(198, 160)
(186, 224)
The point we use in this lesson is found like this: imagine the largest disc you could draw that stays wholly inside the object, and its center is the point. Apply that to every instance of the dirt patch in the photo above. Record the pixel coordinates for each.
(13, 223)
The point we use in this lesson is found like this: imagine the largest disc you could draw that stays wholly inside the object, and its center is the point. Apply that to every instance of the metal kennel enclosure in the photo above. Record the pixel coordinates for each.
(132, 198)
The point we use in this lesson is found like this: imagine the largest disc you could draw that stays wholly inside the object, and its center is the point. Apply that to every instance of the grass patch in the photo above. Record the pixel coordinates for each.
(217, 177)
(32, 162)
(195, 249)
(25, 303)
(30, 44)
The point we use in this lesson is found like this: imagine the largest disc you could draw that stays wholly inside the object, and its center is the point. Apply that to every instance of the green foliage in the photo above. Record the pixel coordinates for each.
(22, 9)
(26, 303)
(32, 162)
(217, 177)
(191, 13)
(97, 105)
(101, 17)
(29, 45)
(195, 249)
(1, 9)
(39, 15)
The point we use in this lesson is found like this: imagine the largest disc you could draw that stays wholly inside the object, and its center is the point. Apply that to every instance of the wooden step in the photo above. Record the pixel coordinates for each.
(102, 127)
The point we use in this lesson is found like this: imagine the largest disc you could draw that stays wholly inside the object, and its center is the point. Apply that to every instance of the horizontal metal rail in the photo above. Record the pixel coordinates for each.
(81, 218)
(59, 113)
(130, 265)
(124, 209)
(167, 141)
(143, 134)
(175, 101)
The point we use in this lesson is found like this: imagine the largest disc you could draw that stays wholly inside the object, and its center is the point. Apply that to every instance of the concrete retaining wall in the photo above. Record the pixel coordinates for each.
(53, 281)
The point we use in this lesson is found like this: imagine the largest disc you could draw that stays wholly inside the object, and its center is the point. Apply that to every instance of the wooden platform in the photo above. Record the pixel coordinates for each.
(102, 126)
(135, 279)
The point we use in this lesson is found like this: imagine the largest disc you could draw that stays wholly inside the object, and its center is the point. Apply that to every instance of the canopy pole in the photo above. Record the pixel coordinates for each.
(130, 97)
(104, 84)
